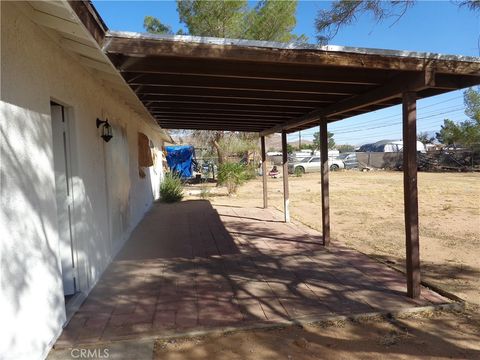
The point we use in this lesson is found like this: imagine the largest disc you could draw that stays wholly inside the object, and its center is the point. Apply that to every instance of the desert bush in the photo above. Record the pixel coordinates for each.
(250, 171)
(171, 189)
(298, 172)
(232, 175)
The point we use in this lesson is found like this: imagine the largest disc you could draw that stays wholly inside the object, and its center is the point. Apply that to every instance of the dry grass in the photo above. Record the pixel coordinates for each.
(367, 214)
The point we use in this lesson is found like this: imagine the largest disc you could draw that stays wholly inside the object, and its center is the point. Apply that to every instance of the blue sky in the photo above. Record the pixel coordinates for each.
(433, 26)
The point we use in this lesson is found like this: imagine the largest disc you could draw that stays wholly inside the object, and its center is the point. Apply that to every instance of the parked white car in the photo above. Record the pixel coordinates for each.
(312, 164)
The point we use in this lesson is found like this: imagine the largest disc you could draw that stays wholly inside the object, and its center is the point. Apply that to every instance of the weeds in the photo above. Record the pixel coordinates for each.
(171, 189)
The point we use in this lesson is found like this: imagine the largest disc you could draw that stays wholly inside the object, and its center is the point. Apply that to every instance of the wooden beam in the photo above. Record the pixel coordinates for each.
(264, 171)
(411, 193)
(286, 210)
(212, 123)
(192, 92)
(204, 82)
(134, 68)
(220, 115)
(276, 106)
(223, 111)
(394, 89)
(220, 127)
(325, 169)
(350, 58)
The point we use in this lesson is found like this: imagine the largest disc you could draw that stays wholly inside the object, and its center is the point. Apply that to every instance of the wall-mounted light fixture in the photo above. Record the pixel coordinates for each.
(106, 129)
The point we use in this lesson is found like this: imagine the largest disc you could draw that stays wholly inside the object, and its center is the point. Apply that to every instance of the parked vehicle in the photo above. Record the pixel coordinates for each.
(312, 164)
(389, 146)
(349, 160)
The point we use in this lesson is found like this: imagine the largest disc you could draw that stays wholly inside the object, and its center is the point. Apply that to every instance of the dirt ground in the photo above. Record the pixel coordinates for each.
(430, 336)
(367, 214)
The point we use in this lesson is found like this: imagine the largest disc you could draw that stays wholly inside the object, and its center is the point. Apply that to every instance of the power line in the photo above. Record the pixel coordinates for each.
(420, 109)
(393, 124)
(392, 133)
(399, 115)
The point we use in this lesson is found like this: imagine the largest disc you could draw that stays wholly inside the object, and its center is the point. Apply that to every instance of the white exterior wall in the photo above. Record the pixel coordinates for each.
(109, 196)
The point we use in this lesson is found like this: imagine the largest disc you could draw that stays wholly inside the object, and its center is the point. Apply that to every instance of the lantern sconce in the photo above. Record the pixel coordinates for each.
(106, 129)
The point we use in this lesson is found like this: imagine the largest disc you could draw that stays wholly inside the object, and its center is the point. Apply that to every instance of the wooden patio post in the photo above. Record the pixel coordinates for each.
(324, 171)
(264, 172)
(410, 193)
(286, 210)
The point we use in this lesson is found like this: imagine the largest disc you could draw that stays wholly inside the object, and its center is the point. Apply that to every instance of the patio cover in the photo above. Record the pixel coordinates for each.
(189, 82)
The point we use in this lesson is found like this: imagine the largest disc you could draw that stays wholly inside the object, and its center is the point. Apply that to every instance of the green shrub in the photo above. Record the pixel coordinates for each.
(298, 172)
(171, 189)
(250, 171)
(232, 175)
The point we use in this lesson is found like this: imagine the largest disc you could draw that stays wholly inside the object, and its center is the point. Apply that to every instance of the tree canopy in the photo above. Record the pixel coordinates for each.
(155, 26)
(464, 133)
(316, 140)
(268, 20)
(346, 12)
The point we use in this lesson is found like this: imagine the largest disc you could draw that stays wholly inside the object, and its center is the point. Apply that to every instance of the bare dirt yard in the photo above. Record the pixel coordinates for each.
(367, 214)
(430, 336)
(366, 211)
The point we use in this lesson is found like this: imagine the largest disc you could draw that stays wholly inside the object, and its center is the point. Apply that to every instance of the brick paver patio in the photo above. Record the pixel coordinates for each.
(189, 266)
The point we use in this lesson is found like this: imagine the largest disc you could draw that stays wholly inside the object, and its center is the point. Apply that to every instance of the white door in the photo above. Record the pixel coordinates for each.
(63, 185)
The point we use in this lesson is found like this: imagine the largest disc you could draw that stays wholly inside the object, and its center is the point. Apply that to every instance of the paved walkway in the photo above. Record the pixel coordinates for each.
(189, 266)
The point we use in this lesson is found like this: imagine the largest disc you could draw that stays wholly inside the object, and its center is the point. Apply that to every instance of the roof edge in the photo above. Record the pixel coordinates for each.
(290, 46)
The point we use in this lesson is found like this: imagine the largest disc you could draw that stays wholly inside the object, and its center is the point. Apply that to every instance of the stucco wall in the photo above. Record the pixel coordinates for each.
(109, 196)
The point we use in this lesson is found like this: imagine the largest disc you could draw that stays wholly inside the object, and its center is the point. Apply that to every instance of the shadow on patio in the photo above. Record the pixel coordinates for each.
(190, 267)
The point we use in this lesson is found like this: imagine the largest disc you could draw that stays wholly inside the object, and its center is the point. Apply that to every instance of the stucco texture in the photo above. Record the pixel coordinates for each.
(109, 196)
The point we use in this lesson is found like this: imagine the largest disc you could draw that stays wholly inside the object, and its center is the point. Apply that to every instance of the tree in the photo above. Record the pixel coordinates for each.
(450, 133)
(213, 18)
(471, 98)
(345, 148)
(155, 26)
(465, 133)
(273, 21)
(346, 12)
(316, 140)
(268, 20)
(425, 138)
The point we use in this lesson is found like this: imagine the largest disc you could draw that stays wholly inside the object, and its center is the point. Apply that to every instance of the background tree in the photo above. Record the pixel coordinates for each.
(316, 140)
(346, 12)
(213, 18)
(273, 21)
(425, 138)
(268, 20)
(345, 148)
(155, 26)
(465, 133)
(471, 98)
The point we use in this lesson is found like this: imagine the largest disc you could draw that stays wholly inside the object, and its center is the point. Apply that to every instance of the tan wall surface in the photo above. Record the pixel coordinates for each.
(109, 196)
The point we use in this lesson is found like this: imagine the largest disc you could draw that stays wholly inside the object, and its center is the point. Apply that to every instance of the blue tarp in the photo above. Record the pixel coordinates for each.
(180, 159)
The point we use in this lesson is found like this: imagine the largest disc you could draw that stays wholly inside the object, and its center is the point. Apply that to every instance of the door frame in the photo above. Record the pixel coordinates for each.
(67, 112)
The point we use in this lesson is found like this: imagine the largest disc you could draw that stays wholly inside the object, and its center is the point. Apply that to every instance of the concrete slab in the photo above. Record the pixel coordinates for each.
(190, 267)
